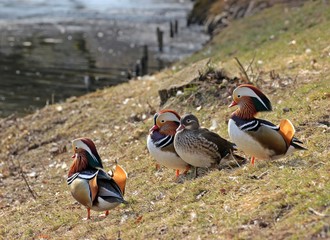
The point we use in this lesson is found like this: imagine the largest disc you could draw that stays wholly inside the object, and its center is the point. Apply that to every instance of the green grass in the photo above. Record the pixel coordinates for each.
(283, 199)
(268, 35)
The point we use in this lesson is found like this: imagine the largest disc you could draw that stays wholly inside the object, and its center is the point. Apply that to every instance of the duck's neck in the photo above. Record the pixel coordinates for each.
(169, 128)
(79, 164)
(246, 111)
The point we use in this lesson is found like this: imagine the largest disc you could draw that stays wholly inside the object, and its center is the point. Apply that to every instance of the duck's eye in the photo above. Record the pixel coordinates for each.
(162, 121)
(76, 147)
(238, 96)
(188, 121)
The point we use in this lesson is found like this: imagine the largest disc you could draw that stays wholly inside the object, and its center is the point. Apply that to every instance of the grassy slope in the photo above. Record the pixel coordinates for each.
(235, 203)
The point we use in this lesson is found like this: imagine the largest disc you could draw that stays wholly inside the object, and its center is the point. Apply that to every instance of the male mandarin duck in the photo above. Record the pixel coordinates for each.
(160, 141)
(89, 184)
(200, 147)
(257, 137)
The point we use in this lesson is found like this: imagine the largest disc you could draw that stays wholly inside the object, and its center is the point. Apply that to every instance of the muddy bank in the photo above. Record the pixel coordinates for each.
(216, 15)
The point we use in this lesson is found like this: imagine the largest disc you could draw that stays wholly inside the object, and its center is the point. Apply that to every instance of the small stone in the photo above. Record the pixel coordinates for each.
(31, 174)
(226, 208)
(293, 42)
(193, 215)
(214, 125)
(126, 101)
(179, 92)
(123, 218)
(59, 108)
(54, 150)
(200, 195)
(64, 166)
(286, 109)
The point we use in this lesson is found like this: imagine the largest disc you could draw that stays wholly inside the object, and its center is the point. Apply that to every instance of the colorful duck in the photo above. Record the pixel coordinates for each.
(160, 141)
(257, 137)
(198, 146)
(89, 184)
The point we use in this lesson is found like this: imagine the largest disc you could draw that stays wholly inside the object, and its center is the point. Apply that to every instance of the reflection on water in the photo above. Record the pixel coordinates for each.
(51, 50)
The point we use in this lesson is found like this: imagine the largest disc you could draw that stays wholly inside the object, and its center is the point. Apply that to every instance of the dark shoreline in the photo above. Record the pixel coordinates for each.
(45, 62)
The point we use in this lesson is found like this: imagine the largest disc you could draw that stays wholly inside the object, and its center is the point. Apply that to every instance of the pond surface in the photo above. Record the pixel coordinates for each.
(51, 50)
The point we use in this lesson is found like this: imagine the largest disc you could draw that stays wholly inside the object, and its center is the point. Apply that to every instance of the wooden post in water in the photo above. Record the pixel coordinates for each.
(171, 30)
(176, 26)
(160, 64)
(137, 68)
(160, 34)
(144, 61)
(129, 74)
(88, 83)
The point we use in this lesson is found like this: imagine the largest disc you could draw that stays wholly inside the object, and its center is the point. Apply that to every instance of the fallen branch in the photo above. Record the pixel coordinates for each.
(262, 174)
(311, 210)
(242, 69)
(33, 194)
(28, 185)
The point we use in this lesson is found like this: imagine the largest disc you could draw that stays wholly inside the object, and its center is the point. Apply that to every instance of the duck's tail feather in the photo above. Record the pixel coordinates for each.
(295, 143)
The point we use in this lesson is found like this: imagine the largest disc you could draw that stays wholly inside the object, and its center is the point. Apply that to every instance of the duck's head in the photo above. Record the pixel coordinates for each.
(247, 96)
(166, 120)
(188, 121)
(86, 147)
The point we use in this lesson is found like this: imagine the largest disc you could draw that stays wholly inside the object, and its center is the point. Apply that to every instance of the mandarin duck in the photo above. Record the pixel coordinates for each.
(200, 147)
(89, 184)
(160, 141)
(257, 137)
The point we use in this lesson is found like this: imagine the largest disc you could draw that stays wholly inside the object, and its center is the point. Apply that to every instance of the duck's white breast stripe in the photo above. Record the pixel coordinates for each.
(73, 177)
(87, 176)
(247, 124)
(80, 175)
(164, 142)
(247, 128)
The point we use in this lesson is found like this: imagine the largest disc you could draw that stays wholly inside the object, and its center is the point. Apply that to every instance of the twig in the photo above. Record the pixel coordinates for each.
(28, 185)
(242, 69)
(262, 174)
(118, 237)
(317, 164)
(317, 213)
(231, 153)
(152, 109)
(251, 62)
(33, 194)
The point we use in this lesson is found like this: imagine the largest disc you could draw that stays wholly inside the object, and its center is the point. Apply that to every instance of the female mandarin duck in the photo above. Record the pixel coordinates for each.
(89, 184)
(256, 137)
(160, 141)
(198, 146)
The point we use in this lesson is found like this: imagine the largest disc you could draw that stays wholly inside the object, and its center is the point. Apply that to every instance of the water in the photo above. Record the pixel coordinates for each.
(51, 50)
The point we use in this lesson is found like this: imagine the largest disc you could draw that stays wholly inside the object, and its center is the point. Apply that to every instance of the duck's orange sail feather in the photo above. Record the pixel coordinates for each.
(287, 130)
(120, 177)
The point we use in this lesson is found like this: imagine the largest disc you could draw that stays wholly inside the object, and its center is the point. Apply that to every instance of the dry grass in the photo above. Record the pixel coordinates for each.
(284, 199)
